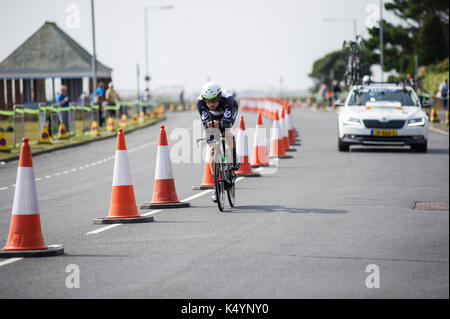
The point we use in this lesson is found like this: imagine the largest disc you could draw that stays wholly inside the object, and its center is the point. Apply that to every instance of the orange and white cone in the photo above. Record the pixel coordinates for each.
(208, 180)
(276, 140)
(286, 137)
(259, 157)
(122, 207)
(242, 151)
(291, 129)
(25, 234)
(164, 192)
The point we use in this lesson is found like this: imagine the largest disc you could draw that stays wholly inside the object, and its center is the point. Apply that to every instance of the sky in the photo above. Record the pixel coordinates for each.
(241, 44)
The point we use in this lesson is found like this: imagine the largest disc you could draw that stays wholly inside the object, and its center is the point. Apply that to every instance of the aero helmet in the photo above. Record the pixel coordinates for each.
(210, 90)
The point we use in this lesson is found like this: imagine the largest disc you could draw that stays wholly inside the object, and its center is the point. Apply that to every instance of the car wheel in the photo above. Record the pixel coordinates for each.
(420, 148)
(343, 147)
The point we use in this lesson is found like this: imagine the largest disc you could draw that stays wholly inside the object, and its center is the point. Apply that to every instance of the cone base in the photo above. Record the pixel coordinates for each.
(259, 165)
(203, 187)
(165, 205)
(128, 220)
(290, 150)
(282, 156)
(249, 174)
(52, 250)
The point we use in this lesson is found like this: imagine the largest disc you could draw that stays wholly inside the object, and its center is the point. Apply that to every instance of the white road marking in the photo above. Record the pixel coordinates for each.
(102, 229)
(4, 188)
(152, 212)
(197, 195)
(10, 261)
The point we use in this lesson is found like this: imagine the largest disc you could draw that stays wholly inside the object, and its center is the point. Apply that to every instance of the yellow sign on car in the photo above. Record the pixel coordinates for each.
(384, 133)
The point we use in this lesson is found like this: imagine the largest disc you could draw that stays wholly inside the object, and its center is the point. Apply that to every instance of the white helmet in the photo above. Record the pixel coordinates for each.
(210, 90)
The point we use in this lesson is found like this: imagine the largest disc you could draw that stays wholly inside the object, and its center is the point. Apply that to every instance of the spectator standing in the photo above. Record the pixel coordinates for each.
(99, 99)
(443, 91)
(62, 101)
(182, 98)
(111, 98)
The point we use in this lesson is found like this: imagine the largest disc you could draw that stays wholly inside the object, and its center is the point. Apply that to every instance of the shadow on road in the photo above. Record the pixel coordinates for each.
(283, 209)
(380, 150)
(438, 150)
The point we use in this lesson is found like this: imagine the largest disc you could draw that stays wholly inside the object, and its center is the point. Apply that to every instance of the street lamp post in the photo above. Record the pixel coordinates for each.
(381, 41)
(166, 7)
(94, 57)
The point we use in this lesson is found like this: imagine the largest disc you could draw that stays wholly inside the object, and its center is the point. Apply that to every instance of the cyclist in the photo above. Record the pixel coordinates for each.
(218, 109)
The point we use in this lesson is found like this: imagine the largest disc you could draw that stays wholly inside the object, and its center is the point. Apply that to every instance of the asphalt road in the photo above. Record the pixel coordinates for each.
(307, 229)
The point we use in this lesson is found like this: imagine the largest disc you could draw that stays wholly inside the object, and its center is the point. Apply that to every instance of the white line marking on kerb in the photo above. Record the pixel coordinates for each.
(9, 261)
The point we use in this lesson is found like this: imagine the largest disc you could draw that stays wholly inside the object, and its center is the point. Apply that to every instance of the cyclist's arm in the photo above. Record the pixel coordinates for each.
(204, 113)
(229, 116)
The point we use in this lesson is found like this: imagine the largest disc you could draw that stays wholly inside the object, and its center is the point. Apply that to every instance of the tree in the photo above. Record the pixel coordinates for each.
(335, 61)
(430, 48)
(426, 26)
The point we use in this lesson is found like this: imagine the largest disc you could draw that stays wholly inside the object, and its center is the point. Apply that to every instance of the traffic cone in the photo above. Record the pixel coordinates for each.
(4, 148)
(135, 118)
(164, 192)
(242, 151)
(123, 121)
(208, 180)
(291, 130)
(446, 118)
(434, 116)
(277, 142)
(427, 112)
(25, 234)
(149, 114)
(44, 138)
(94, 129)
(122, 207)
(62, 132)
(141, 118)
(285, 128)
(110, 124)
(259, 157)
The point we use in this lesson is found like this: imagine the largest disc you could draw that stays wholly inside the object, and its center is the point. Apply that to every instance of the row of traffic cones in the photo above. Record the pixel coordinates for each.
(25, 234)
(281, 140)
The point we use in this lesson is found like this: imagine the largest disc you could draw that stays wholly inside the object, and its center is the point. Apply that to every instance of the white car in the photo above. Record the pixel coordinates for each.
(382, 114)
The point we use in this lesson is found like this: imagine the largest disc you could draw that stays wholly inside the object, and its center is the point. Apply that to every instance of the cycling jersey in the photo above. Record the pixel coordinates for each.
(225, 113)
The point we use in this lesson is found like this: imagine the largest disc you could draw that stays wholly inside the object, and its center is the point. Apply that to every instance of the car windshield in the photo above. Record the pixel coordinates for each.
(398, 96)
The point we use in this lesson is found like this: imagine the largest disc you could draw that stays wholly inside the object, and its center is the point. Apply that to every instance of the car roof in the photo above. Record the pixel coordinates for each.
(386, 86)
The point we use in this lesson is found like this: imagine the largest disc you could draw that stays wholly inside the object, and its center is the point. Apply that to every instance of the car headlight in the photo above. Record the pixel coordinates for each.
(352, 121)
(417, 122)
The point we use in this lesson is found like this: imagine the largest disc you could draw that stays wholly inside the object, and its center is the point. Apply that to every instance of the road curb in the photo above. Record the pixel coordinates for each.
(13, 158)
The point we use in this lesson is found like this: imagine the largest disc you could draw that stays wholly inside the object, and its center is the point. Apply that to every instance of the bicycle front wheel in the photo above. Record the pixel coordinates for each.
(219, 186)
(231, 192)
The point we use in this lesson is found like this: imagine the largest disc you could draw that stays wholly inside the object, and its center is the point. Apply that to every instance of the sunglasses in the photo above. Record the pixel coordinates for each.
(214, 100)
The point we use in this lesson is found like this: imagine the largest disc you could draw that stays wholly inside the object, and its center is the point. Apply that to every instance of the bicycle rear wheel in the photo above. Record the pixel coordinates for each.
(219, 186)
